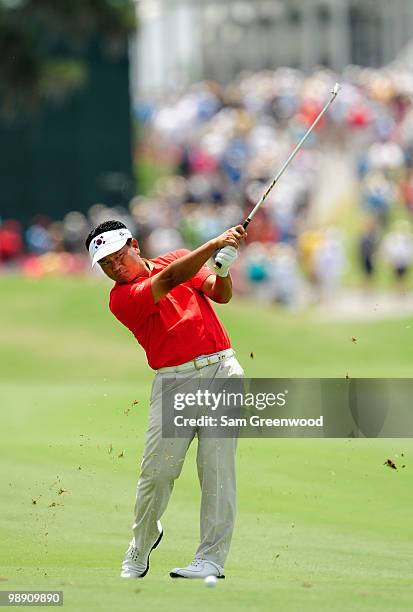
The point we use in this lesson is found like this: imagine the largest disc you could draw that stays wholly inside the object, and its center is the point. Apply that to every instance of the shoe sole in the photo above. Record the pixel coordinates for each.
(175, 575)
(153, 548)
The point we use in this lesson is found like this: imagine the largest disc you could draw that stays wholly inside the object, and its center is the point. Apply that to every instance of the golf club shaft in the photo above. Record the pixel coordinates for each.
(248, 220)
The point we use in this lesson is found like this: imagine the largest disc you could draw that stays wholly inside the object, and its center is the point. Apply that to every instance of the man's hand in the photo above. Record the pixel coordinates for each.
(228, 243)
(226, 258)
(232, 237)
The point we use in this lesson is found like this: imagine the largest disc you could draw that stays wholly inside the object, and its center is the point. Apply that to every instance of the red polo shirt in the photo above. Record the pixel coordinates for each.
(181, 326)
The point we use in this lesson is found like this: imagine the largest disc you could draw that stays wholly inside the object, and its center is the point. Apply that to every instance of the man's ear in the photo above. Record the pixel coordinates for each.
(135, 245)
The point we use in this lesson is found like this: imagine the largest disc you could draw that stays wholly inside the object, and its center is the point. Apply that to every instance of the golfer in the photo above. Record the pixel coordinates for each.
(165, 303)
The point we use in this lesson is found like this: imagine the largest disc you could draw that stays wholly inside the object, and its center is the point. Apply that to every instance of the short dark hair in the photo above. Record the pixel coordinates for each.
(106, 226)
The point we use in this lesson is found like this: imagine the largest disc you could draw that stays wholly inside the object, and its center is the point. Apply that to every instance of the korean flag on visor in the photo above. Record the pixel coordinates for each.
(108, 243)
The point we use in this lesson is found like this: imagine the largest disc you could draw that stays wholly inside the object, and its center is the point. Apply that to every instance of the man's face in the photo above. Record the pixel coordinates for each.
(124, 265)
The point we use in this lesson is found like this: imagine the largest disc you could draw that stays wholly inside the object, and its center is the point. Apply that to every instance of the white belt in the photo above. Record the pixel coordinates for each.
(199, 362)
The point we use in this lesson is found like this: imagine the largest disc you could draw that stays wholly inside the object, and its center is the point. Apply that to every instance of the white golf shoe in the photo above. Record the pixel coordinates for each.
(199, 568)
(133, 566)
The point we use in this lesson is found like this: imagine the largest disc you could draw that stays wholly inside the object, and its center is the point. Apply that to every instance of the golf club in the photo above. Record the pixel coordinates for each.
(248, 220)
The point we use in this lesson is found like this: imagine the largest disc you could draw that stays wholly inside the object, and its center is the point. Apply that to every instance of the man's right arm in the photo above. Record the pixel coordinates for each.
(184, 268)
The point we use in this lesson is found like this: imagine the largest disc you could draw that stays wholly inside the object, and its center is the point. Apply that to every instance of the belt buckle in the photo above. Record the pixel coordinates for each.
(200, 362)
(213, 359)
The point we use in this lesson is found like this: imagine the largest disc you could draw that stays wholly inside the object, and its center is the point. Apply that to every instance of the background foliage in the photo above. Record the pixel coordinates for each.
(42, 43)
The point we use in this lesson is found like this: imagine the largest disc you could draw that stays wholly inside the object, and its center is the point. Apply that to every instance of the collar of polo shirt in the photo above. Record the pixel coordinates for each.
(107, 243)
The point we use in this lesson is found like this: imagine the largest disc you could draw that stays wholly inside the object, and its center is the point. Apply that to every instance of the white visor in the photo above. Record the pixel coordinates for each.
(108, 243)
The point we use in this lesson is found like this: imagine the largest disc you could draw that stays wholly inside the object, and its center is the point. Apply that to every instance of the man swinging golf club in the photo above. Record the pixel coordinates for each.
(165, 303)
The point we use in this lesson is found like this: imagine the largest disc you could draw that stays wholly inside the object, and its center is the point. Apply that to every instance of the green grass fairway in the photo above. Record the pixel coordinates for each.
(322, 524)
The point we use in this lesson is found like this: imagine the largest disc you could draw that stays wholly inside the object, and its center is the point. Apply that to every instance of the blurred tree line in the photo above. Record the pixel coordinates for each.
(65, 121)
(42, 45)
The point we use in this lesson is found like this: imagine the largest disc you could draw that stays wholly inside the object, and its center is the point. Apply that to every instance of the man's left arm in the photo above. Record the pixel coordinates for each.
(218, 288)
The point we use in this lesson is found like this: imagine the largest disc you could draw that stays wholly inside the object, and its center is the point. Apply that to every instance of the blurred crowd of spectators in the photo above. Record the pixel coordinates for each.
(224, 145)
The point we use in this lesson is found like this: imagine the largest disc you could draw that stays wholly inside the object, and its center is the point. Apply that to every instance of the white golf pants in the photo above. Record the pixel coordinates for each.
(162, 462)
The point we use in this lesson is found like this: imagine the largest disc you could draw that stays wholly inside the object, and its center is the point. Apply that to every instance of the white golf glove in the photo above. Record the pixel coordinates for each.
(226, 257)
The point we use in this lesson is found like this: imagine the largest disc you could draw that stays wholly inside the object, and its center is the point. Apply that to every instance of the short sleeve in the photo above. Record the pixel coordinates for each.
(133, 303)
(198, 280)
